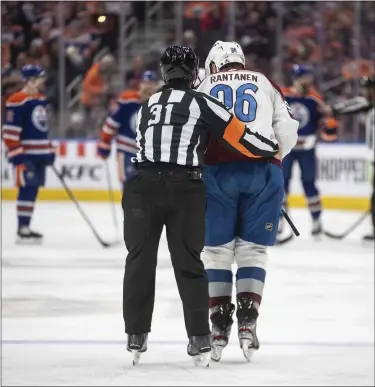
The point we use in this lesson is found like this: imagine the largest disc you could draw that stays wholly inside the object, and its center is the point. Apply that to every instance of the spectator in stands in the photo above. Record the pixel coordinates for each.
(133, 77)
(212, 18)
(81, 45)
(96, 90)
(96, 83)
(158, 48)
(190, 39)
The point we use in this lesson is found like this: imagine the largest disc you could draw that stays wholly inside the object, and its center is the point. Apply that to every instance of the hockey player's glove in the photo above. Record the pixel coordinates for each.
(103, 149)
(330, 129)
(50, 158)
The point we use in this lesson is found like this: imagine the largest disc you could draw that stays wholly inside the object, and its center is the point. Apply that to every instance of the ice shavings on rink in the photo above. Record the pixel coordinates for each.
(62, 310)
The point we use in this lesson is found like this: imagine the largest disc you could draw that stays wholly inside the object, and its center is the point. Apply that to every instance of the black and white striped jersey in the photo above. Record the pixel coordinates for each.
(174, 126)
(360, 105)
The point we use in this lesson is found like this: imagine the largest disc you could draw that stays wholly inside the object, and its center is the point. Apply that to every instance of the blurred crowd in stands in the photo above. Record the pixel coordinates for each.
(274, 36)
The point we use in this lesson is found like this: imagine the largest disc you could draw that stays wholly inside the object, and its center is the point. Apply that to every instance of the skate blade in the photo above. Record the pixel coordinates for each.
(216, 352)
(366, 242)
(136, 357)
(29, 242)
(202, 360)
(248, 352)
(318, 237)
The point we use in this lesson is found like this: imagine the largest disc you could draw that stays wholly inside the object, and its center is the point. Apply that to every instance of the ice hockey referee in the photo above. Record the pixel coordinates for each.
(173, 129)
(364, 104)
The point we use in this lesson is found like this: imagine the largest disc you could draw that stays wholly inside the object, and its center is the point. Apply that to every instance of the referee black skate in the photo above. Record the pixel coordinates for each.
(173, 129)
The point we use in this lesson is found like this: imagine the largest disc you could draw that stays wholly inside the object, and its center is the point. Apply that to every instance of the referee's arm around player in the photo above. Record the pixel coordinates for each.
(173, 129)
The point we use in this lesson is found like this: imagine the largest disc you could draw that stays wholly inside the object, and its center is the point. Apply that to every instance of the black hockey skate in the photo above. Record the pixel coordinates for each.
(247, 321)
(199, 348)
(369, 238)
(137, 344)
(221, 318)
(25, 236)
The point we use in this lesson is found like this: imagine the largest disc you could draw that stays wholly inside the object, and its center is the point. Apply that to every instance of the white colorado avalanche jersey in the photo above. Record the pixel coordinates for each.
(255, 101)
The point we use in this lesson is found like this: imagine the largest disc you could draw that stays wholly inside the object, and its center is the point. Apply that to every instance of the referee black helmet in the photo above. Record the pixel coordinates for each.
(179, 62)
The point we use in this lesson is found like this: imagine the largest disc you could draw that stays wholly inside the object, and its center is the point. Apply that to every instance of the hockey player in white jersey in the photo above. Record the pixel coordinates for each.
(244, 197)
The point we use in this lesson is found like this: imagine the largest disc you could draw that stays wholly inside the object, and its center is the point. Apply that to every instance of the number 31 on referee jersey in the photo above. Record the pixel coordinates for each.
(156, 111)
(245, 105)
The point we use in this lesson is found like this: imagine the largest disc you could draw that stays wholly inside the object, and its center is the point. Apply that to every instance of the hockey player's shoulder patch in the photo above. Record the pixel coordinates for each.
(129, 96)
(20, 98)
(17, 99)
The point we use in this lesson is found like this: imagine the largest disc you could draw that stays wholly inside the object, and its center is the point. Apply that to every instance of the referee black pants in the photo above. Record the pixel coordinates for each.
(163, 195)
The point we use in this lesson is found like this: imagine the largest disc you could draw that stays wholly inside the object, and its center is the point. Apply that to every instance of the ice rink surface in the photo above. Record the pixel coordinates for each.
(62, 310)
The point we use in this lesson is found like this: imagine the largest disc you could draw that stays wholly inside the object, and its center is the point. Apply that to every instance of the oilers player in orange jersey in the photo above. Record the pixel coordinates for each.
(121, 125)
(315, 121)
(25, 135)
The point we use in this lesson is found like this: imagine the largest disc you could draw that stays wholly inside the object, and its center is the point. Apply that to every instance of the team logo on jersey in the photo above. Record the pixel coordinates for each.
(39, 118)
(268, 226)
(300, 113)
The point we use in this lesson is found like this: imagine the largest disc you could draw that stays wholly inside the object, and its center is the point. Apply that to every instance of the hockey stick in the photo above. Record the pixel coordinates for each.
(350, 229)
(111, 196)
(285, 240)
(292, 226)
(74, 200)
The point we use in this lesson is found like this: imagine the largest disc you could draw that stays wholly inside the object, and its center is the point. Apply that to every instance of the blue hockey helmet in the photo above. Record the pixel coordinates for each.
(32, 71)
(149, 76)
(301, 70)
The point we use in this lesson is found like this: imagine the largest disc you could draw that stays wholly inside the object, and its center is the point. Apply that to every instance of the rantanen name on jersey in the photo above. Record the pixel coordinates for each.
(233, 77)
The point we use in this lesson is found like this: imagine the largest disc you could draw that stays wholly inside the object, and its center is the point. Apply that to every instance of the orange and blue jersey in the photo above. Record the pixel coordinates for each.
(25, 127)
(313, 123)
(121, 124)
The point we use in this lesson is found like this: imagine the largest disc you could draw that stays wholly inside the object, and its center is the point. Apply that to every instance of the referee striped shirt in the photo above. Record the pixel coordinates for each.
(174, 126)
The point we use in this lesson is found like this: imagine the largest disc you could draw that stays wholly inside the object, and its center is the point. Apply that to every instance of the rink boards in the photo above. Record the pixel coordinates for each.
(344, 175)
